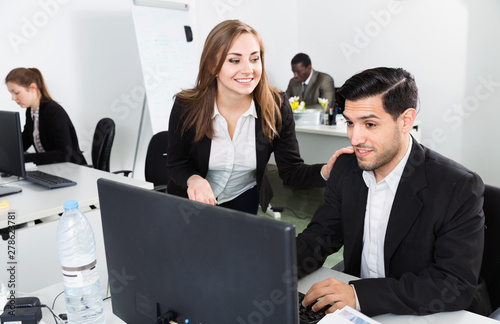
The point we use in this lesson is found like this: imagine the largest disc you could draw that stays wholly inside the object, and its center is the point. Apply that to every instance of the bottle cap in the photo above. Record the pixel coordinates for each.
(70, 204)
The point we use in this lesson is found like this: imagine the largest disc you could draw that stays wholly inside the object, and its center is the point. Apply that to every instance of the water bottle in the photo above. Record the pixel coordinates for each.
(76, 246)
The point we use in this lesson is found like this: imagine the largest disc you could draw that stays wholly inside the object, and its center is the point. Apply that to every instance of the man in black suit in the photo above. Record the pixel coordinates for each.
(410, 219)
(309, 84)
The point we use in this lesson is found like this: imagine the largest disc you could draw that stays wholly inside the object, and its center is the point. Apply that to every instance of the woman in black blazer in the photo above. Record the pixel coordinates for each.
(54, 138)
(223, 131)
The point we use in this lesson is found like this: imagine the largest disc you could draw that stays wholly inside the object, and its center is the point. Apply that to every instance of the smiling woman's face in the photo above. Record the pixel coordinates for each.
(242, 68)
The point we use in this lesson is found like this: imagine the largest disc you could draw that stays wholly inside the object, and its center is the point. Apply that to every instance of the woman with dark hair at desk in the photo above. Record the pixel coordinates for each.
(223, 131)
(48, 127)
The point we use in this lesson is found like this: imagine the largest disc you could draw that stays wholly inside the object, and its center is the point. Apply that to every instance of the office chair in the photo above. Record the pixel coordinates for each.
(104, 136)
(490, 268)
(155, 170)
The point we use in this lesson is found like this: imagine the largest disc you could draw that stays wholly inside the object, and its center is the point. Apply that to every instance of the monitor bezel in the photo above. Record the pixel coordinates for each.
(254, 290)
(11, 144)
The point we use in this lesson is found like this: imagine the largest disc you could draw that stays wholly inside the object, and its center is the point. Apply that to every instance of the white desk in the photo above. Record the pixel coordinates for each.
(48, 294)
(35, 245)
(317, 143)
(459, 317)
(37, 202)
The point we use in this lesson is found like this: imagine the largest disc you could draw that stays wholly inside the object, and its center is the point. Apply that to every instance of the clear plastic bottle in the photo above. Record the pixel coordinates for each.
(77, 253)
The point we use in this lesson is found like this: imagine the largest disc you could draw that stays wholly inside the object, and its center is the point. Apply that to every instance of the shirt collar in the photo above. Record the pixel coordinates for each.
(252, 111)
(35, 112)
(392, 179)
(309, 78)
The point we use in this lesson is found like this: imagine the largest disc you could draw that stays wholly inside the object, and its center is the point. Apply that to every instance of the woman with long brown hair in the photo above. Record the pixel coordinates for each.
(223, 131)
(48, 127)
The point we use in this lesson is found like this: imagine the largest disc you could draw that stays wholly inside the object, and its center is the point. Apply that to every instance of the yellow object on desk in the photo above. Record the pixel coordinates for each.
(4, 205)
(296, 106)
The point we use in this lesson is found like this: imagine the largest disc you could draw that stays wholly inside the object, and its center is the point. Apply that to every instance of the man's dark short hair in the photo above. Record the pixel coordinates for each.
(397, 87)
(301, 58)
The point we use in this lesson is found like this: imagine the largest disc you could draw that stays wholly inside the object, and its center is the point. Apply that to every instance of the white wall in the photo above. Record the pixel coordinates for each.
(479, 109)
(274, 20)
(88, 53)
(427, 38)
(450, 46)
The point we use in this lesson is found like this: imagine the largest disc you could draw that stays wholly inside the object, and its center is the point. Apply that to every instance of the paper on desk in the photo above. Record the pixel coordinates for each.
(334, 319)
(30, 166)
(347, 315)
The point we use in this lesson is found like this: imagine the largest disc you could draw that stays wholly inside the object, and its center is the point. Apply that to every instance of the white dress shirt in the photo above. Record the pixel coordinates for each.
(378, 208)
(35, 116)
(308, 80)
(232, 166)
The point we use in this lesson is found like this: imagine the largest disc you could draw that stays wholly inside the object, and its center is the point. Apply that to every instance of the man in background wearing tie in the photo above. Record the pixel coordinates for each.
(309, 84)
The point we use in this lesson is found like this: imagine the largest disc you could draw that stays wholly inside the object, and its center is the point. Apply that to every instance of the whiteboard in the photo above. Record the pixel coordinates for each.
(167, 57)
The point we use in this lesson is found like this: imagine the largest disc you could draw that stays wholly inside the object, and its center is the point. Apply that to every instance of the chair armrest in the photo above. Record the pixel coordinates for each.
(124, 172)
(160, 188)
(339, 266)
(496, 314)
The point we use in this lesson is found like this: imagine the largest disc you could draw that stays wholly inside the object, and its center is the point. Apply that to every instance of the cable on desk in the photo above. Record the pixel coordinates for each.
(53, 305)
(56, 317)
(54, 302)
(63, 317)
(281, 209)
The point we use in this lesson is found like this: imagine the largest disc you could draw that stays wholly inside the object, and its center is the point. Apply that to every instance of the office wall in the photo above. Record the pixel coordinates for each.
(87, 51)
(274, 20)
(428, 38)
(450, 46)
(88, 55)
(479, 111)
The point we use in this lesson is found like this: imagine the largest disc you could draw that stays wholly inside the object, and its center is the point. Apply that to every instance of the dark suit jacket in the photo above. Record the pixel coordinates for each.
(320, 86)
(433, 244)
(185, 158)
(57, 135)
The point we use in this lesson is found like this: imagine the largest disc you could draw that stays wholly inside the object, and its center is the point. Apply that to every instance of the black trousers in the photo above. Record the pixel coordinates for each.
(247, 202)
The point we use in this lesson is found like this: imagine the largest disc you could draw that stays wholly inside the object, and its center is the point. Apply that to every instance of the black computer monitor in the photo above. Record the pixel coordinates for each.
(208, 264)
(11, 144)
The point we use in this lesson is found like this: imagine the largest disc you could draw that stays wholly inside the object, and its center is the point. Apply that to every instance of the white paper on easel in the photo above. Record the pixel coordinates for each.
(168, 58)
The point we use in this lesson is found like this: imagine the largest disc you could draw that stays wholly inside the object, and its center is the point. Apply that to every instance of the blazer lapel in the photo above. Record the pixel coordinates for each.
(407, 204)
(354, 220)
(297, 88)
(261, 146)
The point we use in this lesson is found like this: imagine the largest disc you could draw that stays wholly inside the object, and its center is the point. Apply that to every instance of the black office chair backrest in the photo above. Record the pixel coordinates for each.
(490, 269)
(104, 136)
(156, 160)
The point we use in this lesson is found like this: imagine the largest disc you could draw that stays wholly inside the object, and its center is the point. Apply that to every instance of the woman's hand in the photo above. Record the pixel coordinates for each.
(327, 168)
(199, 190)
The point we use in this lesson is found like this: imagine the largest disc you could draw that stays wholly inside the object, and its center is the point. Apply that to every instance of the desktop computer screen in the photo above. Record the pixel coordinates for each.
(11, 144)
(195, 263)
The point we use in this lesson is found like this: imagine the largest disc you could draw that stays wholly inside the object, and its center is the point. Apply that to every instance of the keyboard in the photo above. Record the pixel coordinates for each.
(48, 180)
(307, 315)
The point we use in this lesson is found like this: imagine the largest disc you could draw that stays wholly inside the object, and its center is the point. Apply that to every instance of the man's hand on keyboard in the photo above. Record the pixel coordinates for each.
(330, 291)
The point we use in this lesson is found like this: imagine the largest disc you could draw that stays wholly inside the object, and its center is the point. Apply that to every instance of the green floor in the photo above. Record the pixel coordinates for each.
(299, 204)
